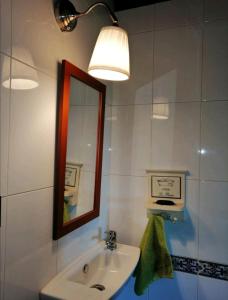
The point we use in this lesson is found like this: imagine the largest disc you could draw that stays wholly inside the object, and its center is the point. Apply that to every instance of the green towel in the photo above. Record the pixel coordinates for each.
(155, 261)
(66, 215)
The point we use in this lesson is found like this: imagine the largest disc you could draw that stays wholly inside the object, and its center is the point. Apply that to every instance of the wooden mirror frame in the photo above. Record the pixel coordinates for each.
(60, 229)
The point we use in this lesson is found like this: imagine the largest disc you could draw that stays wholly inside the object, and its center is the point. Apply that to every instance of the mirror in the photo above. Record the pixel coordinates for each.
(79, 148)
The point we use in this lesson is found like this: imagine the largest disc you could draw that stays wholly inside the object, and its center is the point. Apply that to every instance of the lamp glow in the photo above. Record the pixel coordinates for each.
(110, 58)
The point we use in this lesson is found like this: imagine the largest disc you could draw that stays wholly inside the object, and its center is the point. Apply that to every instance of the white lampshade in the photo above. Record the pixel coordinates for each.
(110, 58)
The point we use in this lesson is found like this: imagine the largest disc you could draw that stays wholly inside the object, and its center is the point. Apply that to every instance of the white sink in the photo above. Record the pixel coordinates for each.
(110, 269)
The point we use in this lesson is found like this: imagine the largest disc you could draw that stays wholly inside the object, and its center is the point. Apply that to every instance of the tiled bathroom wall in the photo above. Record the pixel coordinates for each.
(179, 60)
(179, 57)
(31, 42)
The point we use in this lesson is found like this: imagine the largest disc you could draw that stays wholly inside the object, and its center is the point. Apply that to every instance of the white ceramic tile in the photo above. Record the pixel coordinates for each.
(130, 139)
(4, 111)
(213, 239)
(214, 150)
(35, 30)
(128, 195)
(215, 10)
(210, 289)
(75, 243)
(32, 134)
(127, 292)
(2, 245)
(5, 26)
(215, 61)
(30, 252)
(104, 207)
(138, 89)
(177, 64)
(107, 141)
(182, 287)
(176, 140)
(109, 92)
(182, 236)
(178, 13)
(137, 20)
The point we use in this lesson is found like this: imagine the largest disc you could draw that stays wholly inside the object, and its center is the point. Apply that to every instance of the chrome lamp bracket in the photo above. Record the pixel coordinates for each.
(67, 16)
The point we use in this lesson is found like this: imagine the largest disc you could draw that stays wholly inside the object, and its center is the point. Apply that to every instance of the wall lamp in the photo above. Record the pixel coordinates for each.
(110, 58)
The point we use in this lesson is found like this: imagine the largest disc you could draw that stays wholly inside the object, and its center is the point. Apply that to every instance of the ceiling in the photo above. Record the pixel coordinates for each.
(127, 4)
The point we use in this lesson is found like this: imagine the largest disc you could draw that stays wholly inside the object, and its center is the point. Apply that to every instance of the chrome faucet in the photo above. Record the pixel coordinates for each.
(111, 240)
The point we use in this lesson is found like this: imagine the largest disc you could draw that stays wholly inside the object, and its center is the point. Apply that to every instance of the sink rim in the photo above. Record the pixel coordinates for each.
(62, 286)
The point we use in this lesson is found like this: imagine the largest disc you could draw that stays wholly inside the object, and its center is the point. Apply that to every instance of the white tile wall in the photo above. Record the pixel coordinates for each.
(215, 61)
(138, 89)
(176, 140)
(107, 140)
(138, 20)
(32, 134)
(215, 10)
(183, 286)
(5, 62)
(213, 239)
(28, 125)
(74, 244)
(127, 198)
(178, 13)
(214, 159)
(171, 56)
(2, 245)
(35, 29)
(5, 23)
(210, 289)
(188, 63)
(177, 64)
(29, 247)
(130, 124)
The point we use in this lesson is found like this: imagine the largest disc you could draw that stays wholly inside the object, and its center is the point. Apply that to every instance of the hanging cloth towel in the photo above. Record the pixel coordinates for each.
(155, 261)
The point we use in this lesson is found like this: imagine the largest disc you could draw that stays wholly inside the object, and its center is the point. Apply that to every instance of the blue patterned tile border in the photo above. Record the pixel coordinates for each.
(203, 268)
(185, 264)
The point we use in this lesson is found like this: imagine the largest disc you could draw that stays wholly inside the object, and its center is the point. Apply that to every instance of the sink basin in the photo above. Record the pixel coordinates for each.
(97, 274)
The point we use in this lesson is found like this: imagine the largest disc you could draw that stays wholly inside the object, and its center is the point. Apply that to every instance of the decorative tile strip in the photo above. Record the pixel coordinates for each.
(203, 268)
(185, 264)
(213, 270)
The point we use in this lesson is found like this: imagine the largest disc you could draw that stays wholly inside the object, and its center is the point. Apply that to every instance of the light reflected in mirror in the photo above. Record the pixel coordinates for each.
(81, 150)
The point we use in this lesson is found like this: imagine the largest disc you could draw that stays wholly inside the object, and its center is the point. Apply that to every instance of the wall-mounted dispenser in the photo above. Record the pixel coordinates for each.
(166, 194)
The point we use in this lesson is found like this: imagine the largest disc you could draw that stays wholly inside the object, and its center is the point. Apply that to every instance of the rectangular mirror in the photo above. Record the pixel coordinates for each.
(79, 148)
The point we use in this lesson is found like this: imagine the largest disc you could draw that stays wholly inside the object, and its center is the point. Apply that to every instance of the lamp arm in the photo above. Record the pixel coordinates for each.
(106, 6)
(67, 16)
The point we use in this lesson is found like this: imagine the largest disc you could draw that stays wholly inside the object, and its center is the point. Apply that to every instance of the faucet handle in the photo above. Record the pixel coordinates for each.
(111, 235)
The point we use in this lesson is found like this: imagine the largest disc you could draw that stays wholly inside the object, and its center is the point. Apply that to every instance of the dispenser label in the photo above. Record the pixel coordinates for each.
(166, 187)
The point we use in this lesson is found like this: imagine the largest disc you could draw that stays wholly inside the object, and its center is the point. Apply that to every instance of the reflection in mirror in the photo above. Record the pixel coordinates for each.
(81, 150)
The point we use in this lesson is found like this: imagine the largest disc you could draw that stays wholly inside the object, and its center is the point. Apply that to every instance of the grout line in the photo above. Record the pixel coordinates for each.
(8, 146)
(188, 179)
(32, 67)
(203, 91)
(28, 191)
(170, 102)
